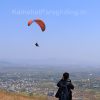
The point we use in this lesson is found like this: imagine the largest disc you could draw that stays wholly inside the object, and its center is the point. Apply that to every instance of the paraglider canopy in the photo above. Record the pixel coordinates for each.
(39, 22)
(30, 22)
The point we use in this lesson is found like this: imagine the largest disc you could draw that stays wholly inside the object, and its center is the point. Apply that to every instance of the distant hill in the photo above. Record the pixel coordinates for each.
(11, 66)
(5, 63)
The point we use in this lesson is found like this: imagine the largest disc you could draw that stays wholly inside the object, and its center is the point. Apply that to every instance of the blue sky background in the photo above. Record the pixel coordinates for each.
(72, 31)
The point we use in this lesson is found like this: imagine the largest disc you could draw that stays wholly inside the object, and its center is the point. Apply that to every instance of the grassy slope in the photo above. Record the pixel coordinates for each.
(11, 96)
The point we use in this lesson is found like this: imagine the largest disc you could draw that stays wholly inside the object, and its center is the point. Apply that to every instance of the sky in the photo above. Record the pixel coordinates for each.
(72, 31)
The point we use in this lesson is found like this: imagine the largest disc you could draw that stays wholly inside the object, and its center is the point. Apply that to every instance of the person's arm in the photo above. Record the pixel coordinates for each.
(61, 85)
(71, 86)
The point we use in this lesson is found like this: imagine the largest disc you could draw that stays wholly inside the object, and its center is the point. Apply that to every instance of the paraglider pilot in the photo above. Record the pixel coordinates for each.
(36, 44)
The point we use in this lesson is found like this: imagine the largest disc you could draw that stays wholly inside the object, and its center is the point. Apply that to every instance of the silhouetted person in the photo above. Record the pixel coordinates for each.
(36, 44)
(65, 86)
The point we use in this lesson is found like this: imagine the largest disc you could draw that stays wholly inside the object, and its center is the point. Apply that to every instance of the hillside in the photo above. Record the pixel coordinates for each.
(12, 96)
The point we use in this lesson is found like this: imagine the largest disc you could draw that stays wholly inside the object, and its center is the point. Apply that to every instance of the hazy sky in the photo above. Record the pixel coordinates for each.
(72, 31)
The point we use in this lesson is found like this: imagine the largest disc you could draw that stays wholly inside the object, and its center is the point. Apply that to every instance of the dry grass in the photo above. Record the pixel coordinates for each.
(12, 96)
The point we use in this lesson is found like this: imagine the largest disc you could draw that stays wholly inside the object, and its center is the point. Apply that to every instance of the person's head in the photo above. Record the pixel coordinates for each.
(65, 76)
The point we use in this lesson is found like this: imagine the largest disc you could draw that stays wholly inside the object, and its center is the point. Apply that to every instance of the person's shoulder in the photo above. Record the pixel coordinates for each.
(61, 80)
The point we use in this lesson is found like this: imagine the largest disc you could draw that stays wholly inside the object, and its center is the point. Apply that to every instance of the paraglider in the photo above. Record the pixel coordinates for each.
(41, 25)
(36, 44)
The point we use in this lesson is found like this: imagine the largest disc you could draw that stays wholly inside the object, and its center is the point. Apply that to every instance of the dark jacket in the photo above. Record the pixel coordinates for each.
(65, 87)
